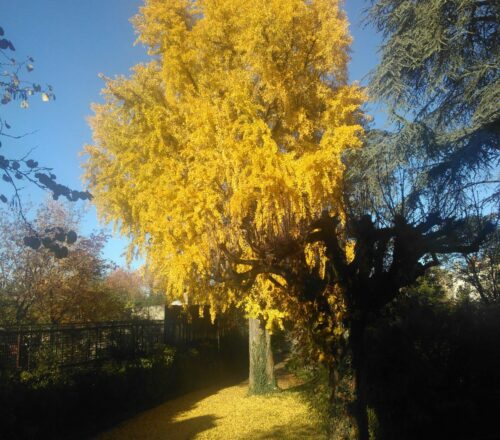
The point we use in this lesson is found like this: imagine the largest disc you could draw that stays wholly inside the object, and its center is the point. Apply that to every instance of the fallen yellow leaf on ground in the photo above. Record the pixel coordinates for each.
(223, 413)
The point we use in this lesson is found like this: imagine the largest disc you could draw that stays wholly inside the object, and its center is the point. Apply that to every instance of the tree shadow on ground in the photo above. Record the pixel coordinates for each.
(163, 429)
(160, 422)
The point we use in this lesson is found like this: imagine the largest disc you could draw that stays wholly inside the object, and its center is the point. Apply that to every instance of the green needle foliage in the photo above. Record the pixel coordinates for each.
(439, 76)
(440, 59)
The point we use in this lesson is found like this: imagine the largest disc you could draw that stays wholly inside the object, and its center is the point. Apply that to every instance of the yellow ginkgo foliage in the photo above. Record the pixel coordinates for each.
(228, 142)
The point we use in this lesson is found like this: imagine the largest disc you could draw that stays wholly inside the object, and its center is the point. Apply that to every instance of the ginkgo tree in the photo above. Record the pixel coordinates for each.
(222, 150)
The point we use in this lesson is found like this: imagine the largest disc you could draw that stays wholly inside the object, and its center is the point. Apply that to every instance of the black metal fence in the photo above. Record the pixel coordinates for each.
(29, 347)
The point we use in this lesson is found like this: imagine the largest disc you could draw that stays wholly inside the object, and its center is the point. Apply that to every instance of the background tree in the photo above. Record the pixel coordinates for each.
(225, 147)
(36, 286)
(133, 288)
(480, 271)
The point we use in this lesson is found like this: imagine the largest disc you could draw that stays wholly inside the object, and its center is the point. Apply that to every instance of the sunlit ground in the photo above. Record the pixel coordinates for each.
(226, 413)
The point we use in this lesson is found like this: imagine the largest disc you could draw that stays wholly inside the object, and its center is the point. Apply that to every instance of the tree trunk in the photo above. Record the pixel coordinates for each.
(359, 404)
(261, 376)
(348, 404)
(342, 426)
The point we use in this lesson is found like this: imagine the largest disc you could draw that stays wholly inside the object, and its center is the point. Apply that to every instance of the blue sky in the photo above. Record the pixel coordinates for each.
(72, 41)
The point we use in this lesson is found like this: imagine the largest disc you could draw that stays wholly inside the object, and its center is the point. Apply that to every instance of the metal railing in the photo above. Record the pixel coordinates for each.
(31, 346)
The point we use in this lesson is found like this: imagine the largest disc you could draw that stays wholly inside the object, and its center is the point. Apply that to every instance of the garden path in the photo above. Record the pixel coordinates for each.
(226, 414)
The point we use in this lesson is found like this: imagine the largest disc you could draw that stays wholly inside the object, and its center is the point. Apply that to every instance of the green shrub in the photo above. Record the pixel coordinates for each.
(75, 403)
(433, 371)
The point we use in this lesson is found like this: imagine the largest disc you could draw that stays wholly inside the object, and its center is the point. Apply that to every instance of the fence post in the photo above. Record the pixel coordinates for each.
(96, 342)
(30, 339)
(134, 338)
(18, 354)
(218, 335)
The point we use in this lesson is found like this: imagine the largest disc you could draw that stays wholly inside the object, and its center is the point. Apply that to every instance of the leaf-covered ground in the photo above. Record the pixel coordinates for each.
(224, 413)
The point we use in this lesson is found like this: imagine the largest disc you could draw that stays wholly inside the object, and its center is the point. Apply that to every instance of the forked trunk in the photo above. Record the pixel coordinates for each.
(261, 376)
